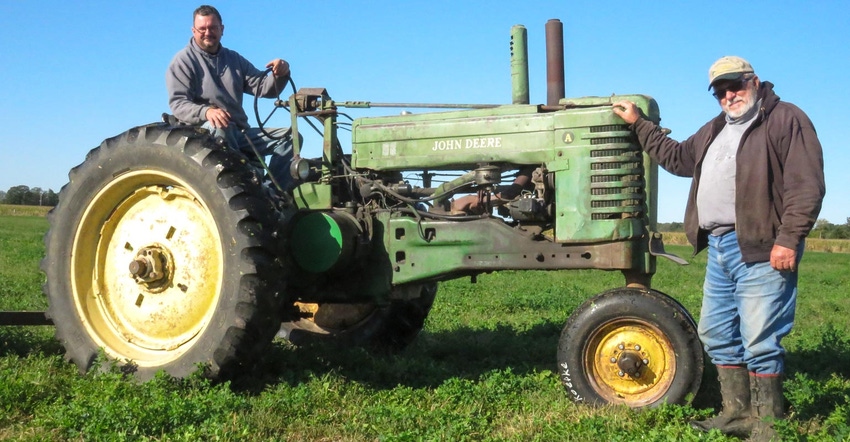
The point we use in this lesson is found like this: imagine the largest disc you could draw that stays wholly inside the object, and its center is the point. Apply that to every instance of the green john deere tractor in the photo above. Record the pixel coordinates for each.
(169, 251)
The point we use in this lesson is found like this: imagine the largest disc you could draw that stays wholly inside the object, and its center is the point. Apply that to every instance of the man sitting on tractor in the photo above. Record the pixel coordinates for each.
(206, 83)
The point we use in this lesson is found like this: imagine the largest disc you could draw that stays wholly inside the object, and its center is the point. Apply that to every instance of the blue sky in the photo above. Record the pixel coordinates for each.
(75, 73)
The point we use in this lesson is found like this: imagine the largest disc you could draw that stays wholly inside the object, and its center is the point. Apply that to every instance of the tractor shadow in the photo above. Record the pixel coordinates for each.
(434, 358)
(22, 341)
(431, 360)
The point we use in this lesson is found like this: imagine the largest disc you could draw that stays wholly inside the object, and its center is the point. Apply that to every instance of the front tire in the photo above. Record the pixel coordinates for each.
(158, 253)
(630, 346)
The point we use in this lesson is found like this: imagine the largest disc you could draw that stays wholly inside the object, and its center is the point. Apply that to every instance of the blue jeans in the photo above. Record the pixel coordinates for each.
(280, 149)
(747, 308)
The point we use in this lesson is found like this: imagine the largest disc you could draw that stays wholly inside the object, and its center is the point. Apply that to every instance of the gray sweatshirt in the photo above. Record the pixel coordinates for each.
(197, 80)
(716, 194)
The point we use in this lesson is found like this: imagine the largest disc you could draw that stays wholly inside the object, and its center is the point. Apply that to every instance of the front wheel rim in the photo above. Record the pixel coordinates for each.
(630, 361)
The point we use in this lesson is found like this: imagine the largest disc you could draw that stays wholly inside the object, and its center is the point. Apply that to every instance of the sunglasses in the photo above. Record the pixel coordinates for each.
(731, 86)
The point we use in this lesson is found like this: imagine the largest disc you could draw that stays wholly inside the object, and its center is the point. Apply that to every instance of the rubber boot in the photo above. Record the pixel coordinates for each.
(735, 418)
(768, 405)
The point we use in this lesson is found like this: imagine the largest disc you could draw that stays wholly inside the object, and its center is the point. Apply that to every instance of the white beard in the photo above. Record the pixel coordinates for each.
(747, 104)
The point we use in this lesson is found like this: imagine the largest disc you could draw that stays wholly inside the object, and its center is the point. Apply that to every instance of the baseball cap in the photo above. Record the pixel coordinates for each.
(729, 67)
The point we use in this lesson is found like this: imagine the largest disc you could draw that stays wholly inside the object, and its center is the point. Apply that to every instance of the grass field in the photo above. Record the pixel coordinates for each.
(14, 210)
(483, 369)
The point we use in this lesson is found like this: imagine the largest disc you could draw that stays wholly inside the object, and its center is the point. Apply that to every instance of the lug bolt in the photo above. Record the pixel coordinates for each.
(613, 360)
(646, 362)
(620, 374)
(637, 347)
(621, 347)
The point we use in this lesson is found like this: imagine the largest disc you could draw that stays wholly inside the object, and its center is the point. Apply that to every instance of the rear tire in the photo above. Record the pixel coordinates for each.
(387, 328)
(630, 346)
(159, 253)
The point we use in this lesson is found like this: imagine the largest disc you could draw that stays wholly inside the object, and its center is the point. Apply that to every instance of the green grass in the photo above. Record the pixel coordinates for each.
(481, 370)
(21, 249)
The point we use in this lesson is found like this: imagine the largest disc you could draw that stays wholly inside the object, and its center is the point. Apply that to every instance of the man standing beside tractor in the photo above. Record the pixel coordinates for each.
(756, 192)
(206, 83)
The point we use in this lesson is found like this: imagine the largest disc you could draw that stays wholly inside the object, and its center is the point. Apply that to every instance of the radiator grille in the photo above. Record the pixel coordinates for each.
(617, 186)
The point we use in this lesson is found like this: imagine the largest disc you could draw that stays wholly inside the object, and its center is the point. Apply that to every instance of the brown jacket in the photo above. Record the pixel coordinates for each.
(780, 184)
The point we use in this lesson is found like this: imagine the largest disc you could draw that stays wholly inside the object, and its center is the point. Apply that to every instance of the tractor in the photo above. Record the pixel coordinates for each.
(170, 251)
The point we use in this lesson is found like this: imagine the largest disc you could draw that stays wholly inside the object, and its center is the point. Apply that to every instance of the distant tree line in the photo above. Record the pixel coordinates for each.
(826, 230)
(24, 196)
(823, 229)
(671, 227)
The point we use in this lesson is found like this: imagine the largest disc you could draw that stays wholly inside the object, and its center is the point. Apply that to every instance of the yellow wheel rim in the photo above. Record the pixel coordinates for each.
(631, 362)
(146, 267)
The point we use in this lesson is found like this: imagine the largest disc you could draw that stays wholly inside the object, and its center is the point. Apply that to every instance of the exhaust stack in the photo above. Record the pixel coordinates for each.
(555, 89)
(519, 65)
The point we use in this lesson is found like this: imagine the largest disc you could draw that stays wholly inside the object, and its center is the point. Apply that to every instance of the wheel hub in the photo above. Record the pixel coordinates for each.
(150, 267)
(630, 362)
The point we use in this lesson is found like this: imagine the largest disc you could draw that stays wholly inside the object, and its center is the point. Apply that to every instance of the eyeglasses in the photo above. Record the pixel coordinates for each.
(211, 29)
(730, 86)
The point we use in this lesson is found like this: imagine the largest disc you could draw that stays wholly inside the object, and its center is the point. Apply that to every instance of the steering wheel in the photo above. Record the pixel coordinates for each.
(260, 122)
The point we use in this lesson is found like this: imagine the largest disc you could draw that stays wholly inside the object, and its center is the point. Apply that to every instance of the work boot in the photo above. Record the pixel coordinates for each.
(735, 418)
(768, 405)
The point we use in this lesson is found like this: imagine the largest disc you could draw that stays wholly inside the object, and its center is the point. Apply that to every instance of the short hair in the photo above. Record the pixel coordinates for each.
(205, 10)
